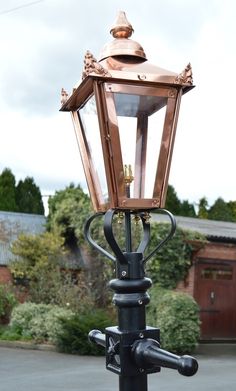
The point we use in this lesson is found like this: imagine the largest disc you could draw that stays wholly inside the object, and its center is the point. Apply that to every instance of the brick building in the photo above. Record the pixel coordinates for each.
(212, 278)
(11, 225)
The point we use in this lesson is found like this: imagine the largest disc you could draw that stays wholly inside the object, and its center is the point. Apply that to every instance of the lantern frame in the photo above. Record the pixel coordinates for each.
(126, 74)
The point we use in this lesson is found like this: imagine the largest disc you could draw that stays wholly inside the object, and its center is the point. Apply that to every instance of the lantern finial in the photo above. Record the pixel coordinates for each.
(122, 28)
(122, 45)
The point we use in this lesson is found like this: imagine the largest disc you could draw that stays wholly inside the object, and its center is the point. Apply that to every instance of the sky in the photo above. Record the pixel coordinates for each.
(42, 50)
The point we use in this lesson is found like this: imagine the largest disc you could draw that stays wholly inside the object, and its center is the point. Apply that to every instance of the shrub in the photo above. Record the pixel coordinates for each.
(177, 316)
(7, 302)
(38, 321)
(171, 263)
(12, 334)
(53, 322)
(73, 337)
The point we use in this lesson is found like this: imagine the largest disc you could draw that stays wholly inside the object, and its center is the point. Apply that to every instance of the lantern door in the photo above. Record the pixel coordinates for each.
(141, 122)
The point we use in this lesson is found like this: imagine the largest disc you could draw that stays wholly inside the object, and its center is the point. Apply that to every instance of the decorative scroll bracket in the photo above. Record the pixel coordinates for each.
(185, 77)
(92, 66)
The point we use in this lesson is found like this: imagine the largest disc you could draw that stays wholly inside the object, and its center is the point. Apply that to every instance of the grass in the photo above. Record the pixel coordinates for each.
(8, 333)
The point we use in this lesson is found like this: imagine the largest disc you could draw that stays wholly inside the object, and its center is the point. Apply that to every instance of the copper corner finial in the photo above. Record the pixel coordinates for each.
(185, 77)
(92, 66)
(122, 28)
(64, 96)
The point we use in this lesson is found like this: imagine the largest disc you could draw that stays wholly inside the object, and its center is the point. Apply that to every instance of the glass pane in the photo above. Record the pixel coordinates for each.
(140, 122)
(128, 105)
(127, 130)
(212, 273)
(155, 128)
(89, 118)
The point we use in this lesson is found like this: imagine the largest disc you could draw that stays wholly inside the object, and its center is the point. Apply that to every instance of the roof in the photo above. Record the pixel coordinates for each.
(222, 231)
(11, 225)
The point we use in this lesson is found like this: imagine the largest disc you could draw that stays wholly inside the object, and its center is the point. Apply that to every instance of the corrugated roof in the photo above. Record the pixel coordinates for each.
(11, 225)
(210, 228)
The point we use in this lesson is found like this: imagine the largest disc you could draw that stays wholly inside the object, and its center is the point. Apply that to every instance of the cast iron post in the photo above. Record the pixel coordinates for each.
(132, 348)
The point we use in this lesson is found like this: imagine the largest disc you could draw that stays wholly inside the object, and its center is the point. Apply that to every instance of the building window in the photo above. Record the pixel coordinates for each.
(214, 273)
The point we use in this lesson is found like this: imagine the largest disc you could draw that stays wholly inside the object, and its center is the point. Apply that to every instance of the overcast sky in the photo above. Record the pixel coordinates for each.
(42, 50)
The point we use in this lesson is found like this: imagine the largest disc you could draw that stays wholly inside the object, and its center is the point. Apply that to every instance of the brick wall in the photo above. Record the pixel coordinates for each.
(187, 285)
(224, 251)
(5, 275)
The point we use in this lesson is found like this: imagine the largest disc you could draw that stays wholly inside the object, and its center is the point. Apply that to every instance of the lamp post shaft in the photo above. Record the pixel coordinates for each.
(131, 319)
(128, 237)
(137, 383)
(132, 348)
(131, 298)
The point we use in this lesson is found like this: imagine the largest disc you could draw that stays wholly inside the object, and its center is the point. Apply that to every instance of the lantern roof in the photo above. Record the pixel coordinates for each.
(125, 59)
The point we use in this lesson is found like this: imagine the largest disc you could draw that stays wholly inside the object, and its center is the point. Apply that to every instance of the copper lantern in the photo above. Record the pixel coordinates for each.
(125, 113)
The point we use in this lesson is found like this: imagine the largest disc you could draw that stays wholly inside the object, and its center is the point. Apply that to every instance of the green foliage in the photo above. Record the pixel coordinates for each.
(68, 211)
(40, 322)
(24, 197)
(38, 260)
(7, 191)
(173, 203)
(73, 337)
(41, 260)
(7, 303)
(28, 197)
(220, 210)
(177, 316)
(187, 209)
(232, 207)
(10, 334)
(203, 208)
(38, 254)
(176, 206)
(172, 262)
(59, 288)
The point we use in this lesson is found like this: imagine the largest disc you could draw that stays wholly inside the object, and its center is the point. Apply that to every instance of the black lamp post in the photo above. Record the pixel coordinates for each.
(125, 114)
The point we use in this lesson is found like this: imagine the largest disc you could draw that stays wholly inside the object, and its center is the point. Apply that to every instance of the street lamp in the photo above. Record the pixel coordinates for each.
(125, 114)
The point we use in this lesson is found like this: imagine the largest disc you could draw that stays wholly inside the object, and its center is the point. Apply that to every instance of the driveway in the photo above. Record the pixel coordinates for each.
(30, 370)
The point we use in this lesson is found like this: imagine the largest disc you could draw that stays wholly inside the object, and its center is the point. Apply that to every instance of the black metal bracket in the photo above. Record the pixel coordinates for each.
(110, 237)
(88, 237)
(122, 361)
(167, 238)
(132, 353)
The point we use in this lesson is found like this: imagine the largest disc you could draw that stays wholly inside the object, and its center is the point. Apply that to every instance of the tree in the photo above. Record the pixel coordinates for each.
(40, 261)
(187, 209)
(220, 210)
(37, 253)
(7, 191)
(28, 197)
(173, 203)
(203, 208)
(68, 211)
(24, 197)
(175, 206)
(232, 207)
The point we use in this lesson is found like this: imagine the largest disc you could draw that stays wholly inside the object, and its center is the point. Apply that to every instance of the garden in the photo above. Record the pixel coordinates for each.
(64, 284)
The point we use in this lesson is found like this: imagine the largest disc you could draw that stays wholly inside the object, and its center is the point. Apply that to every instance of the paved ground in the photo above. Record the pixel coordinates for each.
(29, 370)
